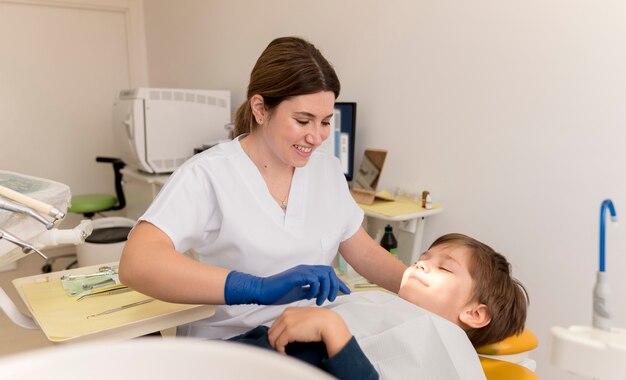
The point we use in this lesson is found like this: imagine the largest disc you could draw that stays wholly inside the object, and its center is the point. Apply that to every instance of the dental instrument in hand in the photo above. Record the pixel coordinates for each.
(32, 203)
(15, 207)
(26, 247)
(122, 289)
(124, 307)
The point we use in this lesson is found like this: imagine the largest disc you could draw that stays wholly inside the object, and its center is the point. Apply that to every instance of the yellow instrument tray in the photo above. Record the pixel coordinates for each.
(62, 317)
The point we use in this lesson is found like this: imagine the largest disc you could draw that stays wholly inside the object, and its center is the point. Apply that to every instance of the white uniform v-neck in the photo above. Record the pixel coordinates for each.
(291, 217)
(218, 204)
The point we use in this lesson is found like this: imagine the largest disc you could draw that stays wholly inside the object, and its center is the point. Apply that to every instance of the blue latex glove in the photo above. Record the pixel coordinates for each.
(298, 283)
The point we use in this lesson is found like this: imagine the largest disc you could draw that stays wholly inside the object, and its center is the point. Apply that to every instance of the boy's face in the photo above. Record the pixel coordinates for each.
(440, 282)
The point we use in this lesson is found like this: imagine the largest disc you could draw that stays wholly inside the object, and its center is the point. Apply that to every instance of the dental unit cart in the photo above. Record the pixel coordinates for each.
(99, 308)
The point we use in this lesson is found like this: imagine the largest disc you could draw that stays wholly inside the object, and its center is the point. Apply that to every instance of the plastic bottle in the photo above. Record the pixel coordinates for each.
(389, 241)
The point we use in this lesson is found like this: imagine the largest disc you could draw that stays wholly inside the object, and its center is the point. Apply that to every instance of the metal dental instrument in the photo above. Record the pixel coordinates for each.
(98, 284)
(122, 289)
(124, 307)
(15, 207)
(26, 247)
(32, 203)
(107, 272)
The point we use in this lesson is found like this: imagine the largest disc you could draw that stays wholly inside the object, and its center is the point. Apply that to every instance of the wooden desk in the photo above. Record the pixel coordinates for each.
(63, 319)
(411, 218)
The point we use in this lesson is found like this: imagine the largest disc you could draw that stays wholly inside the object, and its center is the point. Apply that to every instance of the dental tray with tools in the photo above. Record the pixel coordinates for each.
(63, 318)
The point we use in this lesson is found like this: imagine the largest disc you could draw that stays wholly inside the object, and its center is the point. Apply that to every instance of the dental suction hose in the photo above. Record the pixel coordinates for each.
(602, 291)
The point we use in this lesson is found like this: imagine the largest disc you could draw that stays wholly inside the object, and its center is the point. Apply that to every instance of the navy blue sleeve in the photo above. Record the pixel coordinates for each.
(350, 363)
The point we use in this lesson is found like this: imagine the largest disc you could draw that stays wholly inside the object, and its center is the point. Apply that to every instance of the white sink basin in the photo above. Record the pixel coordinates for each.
(589, 352)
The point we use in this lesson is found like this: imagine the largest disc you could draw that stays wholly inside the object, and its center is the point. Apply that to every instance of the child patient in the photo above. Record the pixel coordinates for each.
(458, 278)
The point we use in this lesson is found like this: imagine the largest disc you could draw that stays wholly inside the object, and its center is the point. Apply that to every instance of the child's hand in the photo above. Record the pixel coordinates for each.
(309, 324)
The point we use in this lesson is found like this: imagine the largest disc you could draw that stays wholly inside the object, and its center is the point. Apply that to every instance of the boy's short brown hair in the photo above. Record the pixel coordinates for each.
(505, 297)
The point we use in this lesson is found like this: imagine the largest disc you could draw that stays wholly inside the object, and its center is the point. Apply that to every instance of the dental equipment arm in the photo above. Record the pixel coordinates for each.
(32, 203)
(26, 247)
(601, 290)
(14, 207)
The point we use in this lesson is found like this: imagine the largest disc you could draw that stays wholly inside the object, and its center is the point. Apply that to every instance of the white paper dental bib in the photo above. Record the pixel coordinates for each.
(405, 341)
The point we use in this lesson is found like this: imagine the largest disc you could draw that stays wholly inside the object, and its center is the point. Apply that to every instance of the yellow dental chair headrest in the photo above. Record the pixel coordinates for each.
(515, 344)
(512, 347)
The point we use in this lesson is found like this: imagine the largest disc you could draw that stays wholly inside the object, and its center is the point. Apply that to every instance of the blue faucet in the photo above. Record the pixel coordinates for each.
(606, 204)
(601, 291)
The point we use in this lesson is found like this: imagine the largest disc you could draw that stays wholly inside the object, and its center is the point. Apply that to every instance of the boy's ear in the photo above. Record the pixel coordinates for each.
(476, 316)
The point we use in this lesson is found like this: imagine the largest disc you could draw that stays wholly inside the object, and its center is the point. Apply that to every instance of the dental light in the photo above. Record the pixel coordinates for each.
(599, 351)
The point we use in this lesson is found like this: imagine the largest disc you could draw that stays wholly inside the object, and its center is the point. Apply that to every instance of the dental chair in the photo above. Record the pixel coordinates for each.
(508, 359)
(96, 203)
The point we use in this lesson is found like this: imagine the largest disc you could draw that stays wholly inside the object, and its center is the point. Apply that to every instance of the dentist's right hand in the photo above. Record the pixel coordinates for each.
(298, 283)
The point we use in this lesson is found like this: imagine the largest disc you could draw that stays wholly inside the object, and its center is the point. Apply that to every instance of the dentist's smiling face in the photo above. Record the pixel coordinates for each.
(440, 282)
(298, 125)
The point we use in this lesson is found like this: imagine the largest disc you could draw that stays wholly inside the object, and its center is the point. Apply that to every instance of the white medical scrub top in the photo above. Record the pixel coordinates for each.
(218, 204)
(404, 341)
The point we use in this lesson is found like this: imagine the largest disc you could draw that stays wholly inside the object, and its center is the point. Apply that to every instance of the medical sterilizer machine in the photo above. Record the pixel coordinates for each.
(157, 129)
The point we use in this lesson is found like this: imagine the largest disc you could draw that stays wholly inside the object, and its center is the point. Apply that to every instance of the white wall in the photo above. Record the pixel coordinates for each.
(513, 114)
(61, 67)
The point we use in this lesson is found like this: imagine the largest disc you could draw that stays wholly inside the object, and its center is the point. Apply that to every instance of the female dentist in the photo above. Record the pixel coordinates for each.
(265, 213)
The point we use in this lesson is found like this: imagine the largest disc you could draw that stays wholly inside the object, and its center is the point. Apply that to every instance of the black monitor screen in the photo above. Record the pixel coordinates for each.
(340, 141)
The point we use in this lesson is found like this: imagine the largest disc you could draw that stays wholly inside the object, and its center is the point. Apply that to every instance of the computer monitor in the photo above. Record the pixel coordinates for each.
(341, 139)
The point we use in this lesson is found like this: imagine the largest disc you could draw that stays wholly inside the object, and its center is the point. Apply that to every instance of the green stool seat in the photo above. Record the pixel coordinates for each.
(89, 204)
(92, 203)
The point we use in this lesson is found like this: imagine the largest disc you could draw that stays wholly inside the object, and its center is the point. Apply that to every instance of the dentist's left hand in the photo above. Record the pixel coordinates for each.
(298, 283)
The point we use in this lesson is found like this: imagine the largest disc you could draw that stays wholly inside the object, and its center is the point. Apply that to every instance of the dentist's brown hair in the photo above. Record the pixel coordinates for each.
(289, 66)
